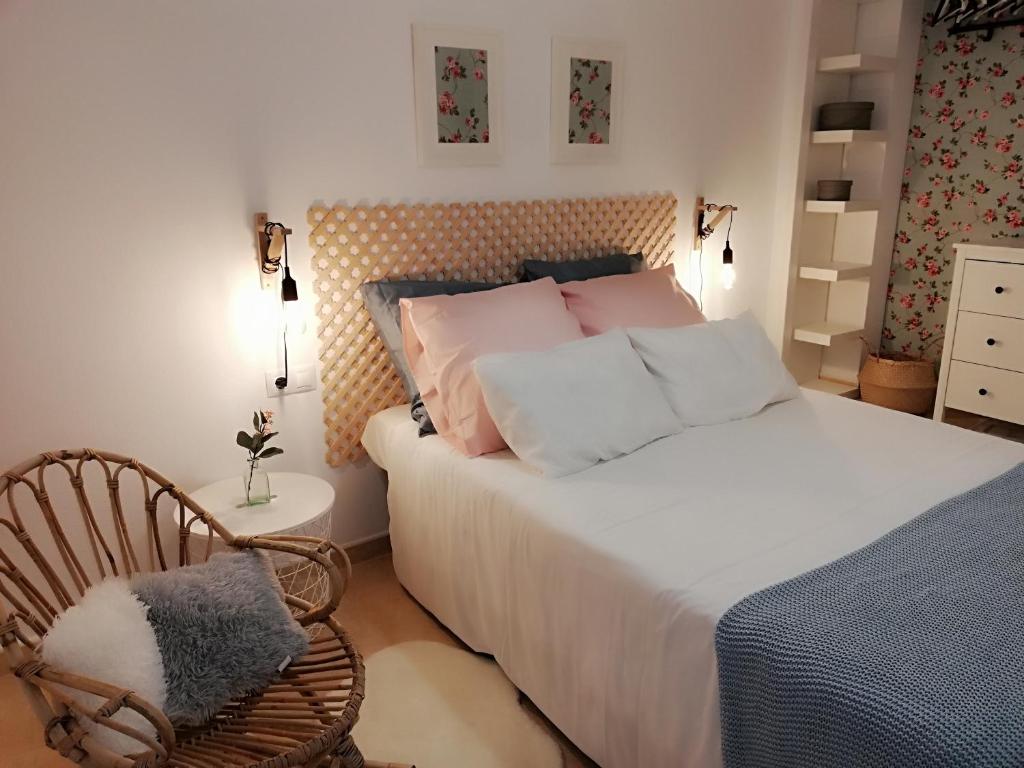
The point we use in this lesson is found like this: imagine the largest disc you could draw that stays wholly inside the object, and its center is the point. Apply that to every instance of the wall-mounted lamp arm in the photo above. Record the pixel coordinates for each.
(271, 244)
(704, 226)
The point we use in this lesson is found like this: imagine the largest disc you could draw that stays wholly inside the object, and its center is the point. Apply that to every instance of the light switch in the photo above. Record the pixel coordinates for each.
(299, 380)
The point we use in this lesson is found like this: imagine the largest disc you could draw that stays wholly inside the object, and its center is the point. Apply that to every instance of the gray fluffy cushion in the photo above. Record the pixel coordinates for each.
(223, 630)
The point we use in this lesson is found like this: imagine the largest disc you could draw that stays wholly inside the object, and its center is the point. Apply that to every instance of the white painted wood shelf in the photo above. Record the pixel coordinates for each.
(847, 137)
(825, 333)
(840, 206)
(832, 387)
(834, 271)
(853, 63)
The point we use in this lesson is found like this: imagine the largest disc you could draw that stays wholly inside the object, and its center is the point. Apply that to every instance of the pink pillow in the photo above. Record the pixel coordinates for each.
(443, 335)
(649, 299)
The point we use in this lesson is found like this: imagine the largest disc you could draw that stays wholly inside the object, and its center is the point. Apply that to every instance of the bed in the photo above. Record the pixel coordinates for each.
(599, 593)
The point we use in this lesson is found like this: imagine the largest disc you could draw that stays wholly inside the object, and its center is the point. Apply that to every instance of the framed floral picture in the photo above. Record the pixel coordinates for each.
(457, 77)
(586, 93)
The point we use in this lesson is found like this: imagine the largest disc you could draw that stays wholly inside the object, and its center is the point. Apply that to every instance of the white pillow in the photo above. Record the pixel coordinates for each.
(717, 371)
(565, 409)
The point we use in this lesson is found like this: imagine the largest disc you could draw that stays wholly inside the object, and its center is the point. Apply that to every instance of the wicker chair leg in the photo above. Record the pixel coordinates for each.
(347, 755)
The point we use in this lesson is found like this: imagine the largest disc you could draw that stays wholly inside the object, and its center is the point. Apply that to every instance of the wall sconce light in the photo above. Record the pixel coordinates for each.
(272, 245)
(704, 226)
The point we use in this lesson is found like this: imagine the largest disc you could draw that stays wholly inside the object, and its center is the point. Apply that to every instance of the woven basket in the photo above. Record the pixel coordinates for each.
(902, 384)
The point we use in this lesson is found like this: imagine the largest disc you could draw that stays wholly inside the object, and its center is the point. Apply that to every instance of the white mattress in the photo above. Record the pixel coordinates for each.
(598, 593)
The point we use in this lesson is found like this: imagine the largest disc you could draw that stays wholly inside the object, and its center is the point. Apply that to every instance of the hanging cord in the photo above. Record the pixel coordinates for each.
(700, 274)
(282, 381)
(728, 231)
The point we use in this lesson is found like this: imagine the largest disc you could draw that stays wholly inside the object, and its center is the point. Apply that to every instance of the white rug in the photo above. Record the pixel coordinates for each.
(436, 706)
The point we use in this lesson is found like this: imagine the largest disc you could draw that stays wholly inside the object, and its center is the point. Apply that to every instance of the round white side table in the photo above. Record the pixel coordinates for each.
(300, 505)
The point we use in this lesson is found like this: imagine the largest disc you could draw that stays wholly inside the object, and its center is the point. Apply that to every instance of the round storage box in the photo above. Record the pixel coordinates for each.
(900, 384)
(845, 115)
(834, 189)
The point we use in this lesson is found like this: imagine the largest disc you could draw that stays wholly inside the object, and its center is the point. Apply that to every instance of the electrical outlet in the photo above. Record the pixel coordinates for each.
(300, 379)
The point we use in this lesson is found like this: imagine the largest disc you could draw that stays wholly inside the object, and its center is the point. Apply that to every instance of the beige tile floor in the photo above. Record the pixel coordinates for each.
(377, 612)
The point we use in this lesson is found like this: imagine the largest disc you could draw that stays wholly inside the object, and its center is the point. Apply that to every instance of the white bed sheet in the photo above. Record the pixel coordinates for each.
(598, 593)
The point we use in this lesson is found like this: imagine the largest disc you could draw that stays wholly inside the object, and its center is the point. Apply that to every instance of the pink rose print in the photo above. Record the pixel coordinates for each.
(454, 69)
(907, 301)
(910, 264)
(948, 161)
(445, 103)
(575, 96)
(989, 216)
(486, 137)
(1013, 218)
(478, 74)
(1009, 99)
(595, 138)
(937, 91)
(456, 138)
(926, 159)
(924, 200)
(964, 46)
(1004, 145)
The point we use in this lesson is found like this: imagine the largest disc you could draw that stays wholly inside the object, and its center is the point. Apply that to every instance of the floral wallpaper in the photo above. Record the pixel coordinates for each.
(461, 78)
(590, 93)
(963, 176)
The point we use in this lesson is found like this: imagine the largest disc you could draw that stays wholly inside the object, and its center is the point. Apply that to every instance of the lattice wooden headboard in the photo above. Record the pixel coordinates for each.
(446, 241)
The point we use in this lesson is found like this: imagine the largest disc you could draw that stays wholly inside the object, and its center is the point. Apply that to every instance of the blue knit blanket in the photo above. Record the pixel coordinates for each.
(909, 652)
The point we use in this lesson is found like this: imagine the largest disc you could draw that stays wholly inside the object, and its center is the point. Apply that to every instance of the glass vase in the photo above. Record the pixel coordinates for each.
(256, 483)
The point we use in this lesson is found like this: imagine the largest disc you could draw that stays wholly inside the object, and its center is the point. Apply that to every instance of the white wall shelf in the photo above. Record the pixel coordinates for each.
(832, 387)
(852, 63)
(846, 137)
(834, 271)
(831, 268)
(825, 333)
(840, 206)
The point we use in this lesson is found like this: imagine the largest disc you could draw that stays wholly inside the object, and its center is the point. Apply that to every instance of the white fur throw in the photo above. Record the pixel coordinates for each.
(107, 637)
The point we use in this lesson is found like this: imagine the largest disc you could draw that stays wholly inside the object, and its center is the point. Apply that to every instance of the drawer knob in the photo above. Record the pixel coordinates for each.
(982, 391)
(999, 289)
(990, 342)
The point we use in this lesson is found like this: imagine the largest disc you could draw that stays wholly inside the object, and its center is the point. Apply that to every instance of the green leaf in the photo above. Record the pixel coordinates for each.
(256, 421)
(271, 452)
(257, 443)
(266, 437)
(244, 440)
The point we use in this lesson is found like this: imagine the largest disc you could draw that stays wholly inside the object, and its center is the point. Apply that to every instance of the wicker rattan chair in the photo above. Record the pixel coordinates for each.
(48, 558)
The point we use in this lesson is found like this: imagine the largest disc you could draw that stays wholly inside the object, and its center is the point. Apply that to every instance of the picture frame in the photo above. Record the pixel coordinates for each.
(586, 72)
(458, 74)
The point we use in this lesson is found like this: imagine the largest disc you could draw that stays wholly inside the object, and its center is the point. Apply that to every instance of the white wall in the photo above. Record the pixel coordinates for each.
(138, 138)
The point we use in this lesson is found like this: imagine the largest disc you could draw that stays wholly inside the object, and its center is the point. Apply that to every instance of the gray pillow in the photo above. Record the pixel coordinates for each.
(223, 630)
(381, 299)
(582, 269)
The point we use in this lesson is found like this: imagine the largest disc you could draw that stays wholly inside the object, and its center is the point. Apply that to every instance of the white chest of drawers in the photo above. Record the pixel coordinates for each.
(983, 353)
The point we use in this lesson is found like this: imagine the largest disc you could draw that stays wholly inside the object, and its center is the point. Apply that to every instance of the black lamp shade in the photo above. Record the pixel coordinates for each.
(727, 254)
(289, 289)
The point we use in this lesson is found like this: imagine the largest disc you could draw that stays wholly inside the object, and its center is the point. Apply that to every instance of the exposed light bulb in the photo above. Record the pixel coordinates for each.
(293, 317)
(728, 276)
(728, 270)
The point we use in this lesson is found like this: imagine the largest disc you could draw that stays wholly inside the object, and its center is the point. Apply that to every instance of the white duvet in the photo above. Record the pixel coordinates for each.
(598, 593)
